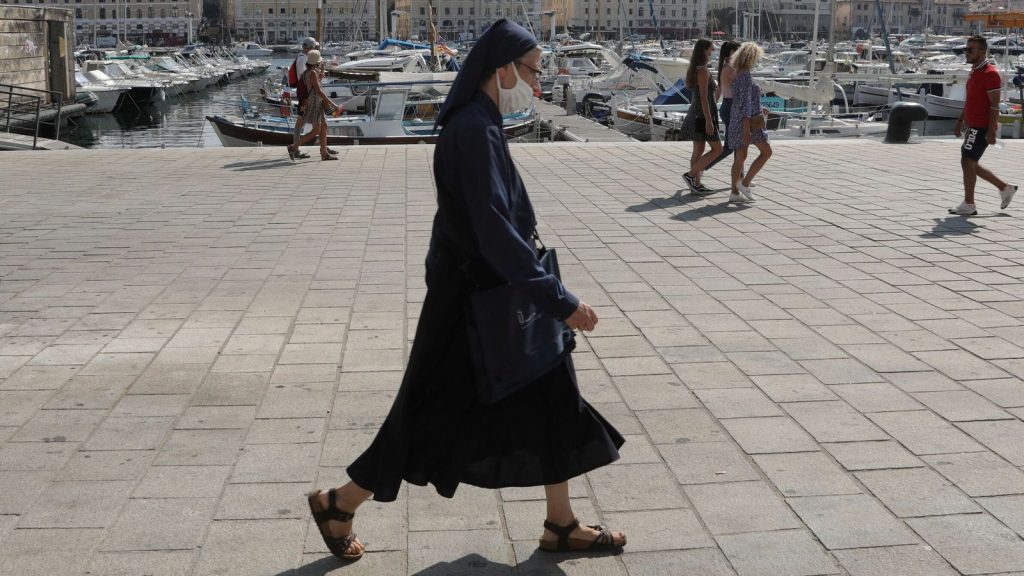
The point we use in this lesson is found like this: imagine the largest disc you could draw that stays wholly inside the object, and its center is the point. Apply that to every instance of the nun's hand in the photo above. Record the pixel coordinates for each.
(584, 318)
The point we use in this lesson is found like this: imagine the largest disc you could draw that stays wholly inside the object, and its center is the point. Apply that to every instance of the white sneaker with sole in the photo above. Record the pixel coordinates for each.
(745, 191)
(1007, 195)
(739, 199)
(964, 209)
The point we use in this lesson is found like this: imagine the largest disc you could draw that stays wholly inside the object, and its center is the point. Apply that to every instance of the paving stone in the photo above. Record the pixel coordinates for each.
(961, 405)
(635, 487)
(876, 397)
(46, 552)
(35, 456)
(850, 521)
(768, 435)
(1004, 437)
(806, 474)
(154, 563)
(961, 365)
(107, 465)
(740, 507)
(737, 403)
(922, 381)
(916, 492)
(923, 432)
(250, 547)
(834, 422)
(792, 552)
(200, 448)
(129, 433)
(76, 504)
(902, 560)
(276, 463)
(241, 389)
(160, 524)
(170, 379)
(972, 543)
(183, 482)
(216, 417)
(872, 455)
(1004, 392)
(530, 561)
(264, 501)
(707, 462)
(704, 561)
(17, 407)
(60, 426)
(303, 400)
(362, 409)
(142, 405)
(654, 393)
(474, 552)
(840, 371)
(793, 388)
(706, 375)
(19, 489)
(1007, 509)
(680, 426)
(39, 378)
(286, 431)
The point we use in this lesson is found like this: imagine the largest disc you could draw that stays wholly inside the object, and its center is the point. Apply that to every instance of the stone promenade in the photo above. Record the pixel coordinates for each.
(825, 382)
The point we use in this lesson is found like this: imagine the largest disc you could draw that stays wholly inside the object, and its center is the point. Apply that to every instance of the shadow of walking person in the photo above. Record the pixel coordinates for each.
(537, 564)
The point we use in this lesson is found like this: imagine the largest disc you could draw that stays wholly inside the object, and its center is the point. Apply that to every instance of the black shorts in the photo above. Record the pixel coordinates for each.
(975, 143)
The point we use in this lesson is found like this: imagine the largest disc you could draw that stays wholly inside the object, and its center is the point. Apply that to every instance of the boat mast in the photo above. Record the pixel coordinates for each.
(814, 64)
(319, 21)
(885, 35)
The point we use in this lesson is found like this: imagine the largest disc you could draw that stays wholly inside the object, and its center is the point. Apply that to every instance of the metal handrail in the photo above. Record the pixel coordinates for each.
(26, 113)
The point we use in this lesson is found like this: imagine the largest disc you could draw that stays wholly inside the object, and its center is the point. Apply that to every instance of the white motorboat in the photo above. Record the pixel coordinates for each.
(250, 49)
(108, 94)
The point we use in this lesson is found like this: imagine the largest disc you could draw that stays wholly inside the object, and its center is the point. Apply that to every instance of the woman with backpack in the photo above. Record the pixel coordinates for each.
(314, 105)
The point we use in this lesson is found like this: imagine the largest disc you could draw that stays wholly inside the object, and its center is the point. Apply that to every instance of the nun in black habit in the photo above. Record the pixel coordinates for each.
(438, 431)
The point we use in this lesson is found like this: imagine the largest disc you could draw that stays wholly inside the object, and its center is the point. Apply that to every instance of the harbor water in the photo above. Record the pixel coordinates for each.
(178, 122)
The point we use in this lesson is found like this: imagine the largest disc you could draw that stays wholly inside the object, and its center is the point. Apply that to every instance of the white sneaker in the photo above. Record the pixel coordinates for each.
(739, 199)
(1007, 195)
(745, 191)
(964, 209)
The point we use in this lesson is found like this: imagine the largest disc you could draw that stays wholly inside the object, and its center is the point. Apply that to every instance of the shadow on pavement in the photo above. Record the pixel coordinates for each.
(259, 165)
(538, 564)
(709, 210)
(958, 225)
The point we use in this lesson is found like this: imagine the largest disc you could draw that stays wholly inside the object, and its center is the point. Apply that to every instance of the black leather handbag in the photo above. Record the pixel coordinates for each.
(512, 340)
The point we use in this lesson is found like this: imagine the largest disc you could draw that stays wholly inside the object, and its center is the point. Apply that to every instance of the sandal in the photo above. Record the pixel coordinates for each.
(337, 545)
(332, 151)
(604, 541)
(328, 157)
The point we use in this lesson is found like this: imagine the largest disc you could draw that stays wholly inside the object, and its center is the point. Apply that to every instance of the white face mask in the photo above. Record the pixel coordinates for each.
(516, 98)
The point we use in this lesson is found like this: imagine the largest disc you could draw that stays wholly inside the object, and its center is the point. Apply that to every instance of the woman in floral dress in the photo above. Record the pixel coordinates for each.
(747, 125)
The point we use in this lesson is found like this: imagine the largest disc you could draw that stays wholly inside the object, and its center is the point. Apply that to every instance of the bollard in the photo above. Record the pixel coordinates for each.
(901, 116)
(570, 103)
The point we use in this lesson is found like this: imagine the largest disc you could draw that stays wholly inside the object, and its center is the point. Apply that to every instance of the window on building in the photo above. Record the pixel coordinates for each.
(270, 10)
(78, 12)
(103, 16)
(423, 11)
(472, 10)
(447, 11)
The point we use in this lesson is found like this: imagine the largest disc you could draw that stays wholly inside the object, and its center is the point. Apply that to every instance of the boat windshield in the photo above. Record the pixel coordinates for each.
(391, 105)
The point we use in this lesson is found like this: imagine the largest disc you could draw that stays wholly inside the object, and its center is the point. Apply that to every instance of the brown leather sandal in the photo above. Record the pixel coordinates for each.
(604, 541)
(338, 546)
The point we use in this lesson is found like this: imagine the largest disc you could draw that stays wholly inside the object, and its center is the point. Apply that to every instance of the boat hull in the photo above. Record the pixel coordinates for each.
(232, 134)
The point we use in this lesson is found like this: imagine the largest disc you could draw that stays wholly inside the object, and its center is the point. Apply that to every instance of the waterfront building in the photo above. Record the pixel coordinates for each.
(859, 18)
(103, 22)
(599, 19)
(289, 21)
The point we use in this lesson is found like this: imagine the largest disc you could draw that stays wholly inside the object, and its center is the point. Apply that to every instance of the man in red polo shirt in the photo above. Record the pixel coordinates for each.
(981, 120)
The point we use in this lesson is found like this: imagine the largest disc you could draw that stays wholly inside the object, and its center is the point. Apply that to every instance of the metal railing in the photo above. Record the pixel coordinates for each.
(27, 110)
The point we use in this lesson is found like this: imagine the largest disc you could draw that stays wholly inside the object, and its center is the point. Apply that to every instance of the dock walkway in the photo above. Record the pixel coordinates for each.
(827, 381)
(580, 128)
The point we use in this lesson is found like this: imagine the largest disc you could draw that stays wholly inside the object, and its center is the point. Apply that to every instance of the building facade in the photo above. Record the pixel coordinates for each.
(289, 21)
(600, 19)
(859, 18)
(103, 22)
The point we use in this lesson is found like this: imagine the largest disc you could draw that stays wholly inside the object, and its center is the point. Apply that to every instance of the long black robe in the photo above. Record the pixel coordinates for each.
(437, 431)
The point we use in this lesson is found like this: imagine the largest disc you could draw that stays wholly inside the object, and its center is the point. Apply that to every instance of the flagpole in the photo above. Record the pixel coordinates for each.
(319, 20)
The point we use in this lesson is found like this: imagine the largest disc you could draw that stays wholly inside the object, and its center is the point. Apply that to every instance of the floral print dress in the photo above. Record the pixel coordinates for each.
(746, 103)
